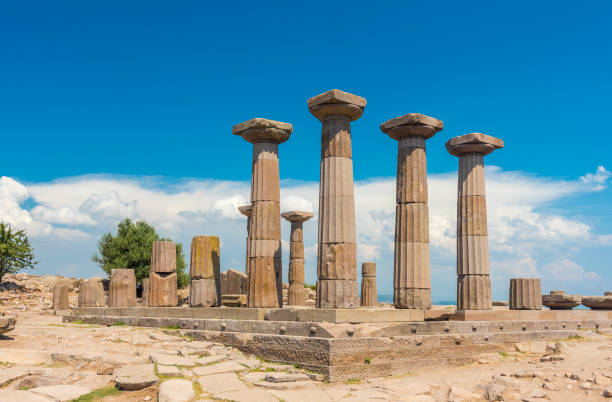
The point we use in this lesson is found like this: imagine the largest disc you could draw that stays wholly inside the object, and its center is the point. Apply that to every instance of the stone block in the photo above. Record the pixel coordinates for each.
(473, 142)
(474, 292)
(265, 221)
(411, 124)
(368, 269)
(471, 175)
(561, 301)
(296, 295)
(163, 257)
(265, 150)
(337, 219)
(296, 270)
(472, 216)
(122, 288)
(412, 298)
(204, 293)
(205, 257)
(412, 223)
(60, 297)
(336, 103)
(525, 294)
(262, 286)
(233, 282)
(234, 300)
(296, 250)
(145, 291)
(337, 261)
(369, 292)
(411, 182)
(339, 293)
(412, 265)
(163, 290)
(265, 180)
(336, 177)
(598, 302)
(473, 255)
(336, 139)
(265, 248)
(263, 130)
(91, 293)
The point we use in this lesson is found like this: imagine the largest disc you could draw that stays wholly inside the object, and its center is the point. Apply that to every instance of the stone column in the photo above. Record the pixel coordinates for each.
(473, 282)
(265, 265)
(122, 288)
(412, 277)
(525, 294)
(369, 292)
(163, 290)
(296, 293)
(145, 292)
(337, 260)
(205, 270)
(61, 300)
(246, 210)
(91, 293)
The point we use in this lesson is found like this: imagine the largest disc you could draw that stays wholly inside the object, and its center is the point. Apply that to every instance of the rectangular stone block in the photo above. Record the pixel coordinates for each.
(233, 282)
(163, 290)
(91, 293)
(205, 257)
(296, 271)
(265, 150)
(340, 293)
(411, 182)
(472, 216)
(474, 292)
(265, 180)
(297, 232)
(412, 268)
(163, 256)
(122, 288)
(296, 250)
(262, 286)
(337, 261)
(337, 219)
(369, 292)
(412, 223)
(525, 294)
(336, 177)
(336, 138)
(204, 293)
(296, 295)
(60, 297)
(412, 298)
(473, 255)
(265, 248)
(471, 175)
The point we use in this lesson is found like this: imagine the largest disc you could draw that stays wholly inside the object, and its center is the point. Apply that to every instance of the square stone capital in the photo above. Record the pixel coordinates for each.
(473, 142)
(263, 130)
(246, 210)
(297, 216)
(337, 103)
(411, 124)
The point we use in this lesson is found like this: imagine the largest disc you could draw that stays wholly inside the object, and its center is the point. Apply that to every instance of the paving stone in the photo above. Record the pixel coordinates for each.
(284, 385)
(62, 392)
(254, 376)
(224, 367)
(176, 390)
(209, 360)
(248, 395)
(23, 396)
(284, 377)
(136, 376)
(252, 364)
(168, 370)
(303, 395)
(170, 360)
(218, 383)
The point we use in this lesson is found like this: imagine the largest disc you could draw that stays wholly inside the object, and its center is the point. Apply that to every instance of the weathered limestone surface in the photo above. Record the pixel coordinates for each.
(163, 290)
(558, 300)
(369, 292)
(337, 254)
(412, 282)
(122, 288)
(598, 302)
(145, 291)
(205, 257)
(204, 293)
(233, 282)
(296, 293)
(60, 297)
(91, 293)
(525, 294)
(163, 256)
(246, 210)
(473, 267)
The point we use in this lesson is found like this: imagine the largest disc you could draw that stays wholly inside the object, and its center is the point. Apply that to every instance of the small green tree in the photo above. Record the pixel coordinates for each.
(15, 250)
(131, 248)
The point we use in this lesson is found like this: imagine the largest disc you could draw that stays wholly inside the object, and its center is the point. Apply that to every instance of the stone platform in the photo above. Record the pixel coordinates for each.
(356, 344)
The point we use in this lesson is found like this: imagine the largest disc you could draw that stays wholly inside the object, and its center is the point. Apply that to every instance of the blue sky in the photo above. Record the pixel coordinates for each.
(146, 93)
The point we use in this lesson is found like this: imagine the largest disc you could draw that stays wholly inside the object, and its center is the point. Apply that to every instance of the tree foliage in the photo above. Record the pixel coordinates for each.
(15, 250)
(131, 248)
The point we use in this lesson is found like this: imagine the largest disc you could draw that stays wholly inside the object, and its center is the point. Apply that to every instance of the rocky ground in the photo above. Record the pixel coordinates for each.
(46, 360)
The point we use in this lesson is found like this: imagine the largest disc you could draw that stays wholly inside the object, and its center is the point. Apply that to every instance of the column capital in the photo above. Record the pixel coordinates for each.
(263, 130)
(246, 210)
(411, 125)
(337, 103)
(473, 142)
(297, 216)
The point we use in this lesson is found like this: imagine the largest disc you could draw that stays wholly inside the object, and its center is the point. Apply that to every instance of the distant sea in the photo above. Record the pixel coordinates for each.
(389, 299)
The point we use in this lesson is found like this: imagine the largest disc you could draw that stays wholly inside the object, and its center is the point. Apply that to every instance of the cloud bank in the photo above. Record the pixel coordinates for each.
(529, 234)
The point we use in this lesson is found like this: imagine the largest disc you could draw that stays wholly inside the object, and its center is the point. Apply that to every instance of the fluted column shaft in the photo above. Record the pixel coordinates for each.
(337, 259)
(412, 282)
(297, 294)
(264, 269)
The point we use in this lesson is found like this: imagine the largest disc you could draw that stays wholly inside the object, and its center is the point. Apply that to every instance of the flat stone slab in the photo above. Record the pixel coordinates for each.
(225, 367)
(170, 360)
(337, 96)
(531, 315)
(7, 323)
(135, 376)
(62, 392)
(23, 396)
(176, 390)
(223, 382)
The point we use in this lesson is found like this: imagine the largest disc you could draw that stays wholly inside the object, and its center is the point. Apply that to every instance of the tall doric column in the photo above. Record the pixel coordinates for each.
(412, 278)
(297, 294)
(265, 265)
(473, 281)
(337, 260)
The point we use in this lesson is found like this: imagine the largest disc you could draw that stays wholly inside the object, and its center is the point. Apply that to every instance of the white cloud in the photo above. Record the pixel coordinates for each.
(598, 180)
(228, 207)
(108, 205)
(567, 271)
(63, 215)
